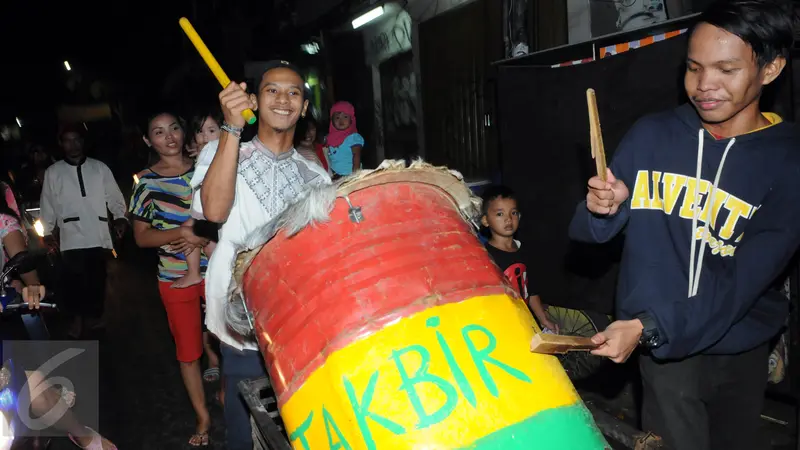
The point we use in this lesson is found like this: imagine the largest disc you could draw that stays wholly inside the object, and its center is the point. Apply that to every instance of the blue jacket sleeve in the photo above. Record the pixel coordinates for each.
(588, 227)
(730, 301)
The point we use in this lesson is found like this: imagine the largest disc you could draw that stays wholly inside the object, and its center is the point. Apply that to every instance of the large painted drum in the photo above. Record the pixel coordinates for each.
(389, 327)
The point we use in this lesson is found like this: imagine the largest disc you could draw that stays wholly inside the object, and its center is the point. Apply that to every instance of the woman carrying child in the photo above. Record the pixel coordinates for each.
(160, 205)
(205, 128)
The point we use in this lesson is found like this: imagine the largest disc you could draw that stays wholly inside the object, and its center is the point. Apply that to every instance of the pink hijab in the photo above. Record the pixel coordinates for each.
(336, 136)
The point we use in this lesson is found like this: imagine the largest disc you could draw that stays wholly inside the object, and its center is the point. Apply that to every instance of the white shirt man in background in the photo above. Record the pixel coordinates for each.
(77, 194)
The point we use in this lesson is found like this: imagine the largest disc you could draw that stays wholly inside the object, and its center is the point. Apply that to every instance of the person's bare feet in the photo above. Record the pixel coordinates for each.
(190, 279)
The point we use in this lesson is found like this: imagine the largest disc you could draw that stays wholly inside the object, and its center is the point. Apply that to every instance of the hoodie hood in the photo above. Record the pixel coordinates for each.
(687, 115)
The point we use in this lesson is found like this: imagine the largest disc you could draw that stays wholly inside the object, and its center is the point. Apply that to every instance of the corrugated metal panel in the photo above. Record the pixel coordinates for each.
(457, 104)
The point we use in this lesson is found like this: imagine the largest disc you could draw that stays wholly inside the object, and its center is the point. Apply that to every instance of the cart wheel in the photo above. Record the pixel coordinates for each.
(574, 322)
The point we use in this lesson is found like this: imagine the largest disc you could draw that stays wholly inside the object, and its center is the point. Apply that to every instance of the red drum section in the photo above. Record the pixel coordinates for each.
(333, 283)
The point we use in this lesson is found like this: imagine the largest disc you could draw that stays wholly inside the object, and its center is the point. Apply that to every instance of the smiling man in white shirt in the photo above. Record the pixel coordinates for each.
(244, 186)
(77, 194)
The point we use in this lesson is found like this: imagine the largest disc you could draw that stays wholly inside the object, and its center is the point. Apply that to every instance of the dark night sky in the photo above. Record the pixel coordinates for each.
(132, 42)
(113, 37)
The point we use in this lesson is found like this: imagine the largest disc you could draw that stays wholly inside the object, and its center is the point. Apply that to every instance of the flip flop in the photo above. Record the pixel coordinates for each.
(199, 439)
(211, 375)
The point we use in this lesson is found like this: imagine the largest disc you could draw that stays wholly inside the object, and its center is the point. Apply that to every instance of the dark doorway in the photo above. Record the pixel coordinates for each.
(398, 98)
(352, 82)
(456, 49)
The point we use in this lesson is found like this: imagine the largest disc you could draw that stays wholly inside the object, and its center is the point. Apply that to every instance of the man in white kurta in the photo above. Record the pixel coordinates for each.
(244, 187)
(266, 184)
(77, 194)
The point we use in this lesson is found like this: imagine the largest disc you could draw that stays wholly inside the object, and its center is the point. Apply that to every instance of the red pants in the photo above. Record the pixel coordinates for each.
(183, 314)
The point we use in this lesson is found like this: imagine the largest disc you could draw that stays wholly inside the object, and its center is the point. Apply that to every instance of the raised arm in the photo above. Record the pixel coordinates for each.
(605, 212)
(219, 185)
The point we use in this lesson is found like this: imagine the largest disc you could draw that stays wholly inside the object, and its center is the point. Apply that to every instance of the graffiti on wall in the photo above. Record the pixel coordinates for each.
(391, 37)
(403, 112)
(399, 104)
(378, 113)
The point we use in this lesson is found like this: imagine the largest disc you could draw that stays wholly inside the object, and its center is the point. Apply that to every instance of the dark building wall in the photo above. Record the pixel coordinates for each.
(352, 82)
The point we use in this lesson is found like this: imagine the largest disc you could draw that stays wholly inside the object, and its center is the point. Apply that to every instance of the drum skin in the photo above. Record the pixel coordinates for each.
(399, 332)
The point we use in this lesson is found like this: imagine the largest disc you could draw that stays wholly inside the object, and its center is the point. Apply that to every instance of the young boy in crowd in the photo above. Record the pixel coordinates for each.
(501, 216)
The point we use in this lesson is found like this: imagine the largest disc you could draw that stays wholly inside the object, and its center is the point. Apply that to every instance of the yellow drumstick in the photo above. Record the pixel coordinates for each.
(211, 62)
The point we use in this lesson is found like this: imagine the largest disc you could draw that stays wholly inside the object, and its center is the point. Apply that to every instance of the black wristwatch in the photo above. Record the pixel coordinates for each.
(651, 337)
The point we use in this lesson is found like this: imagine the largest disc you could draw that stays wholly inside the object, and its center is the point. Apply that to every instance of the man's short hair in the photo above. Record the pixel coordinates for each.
(65, 128)
(281, 64)
(767, 26)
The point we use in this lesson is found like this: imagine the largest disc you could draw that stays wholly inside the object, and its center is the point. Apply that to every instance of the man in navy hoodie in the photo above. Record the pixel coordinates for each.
(708, 197)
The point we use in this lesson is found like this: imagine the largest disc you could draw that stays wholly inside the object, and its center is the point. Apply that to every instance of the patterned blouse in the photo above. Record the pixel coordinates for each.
(164, 203)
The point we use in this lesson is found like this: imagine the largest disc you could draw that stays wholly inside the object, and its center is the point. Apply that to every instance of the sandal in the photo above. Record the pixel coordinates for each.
(211, 375)
(96, 444)
(199, 439)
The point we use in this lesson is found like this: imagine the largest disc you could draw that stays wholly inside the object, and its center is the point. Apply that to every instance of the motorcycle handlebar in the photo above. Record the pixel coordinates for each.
(19, 305)
(16, 306)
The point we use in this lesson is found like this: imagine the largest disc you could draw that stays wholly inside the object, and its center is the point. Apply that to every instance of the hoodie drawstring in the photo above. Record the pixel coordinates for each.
(696, 269)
